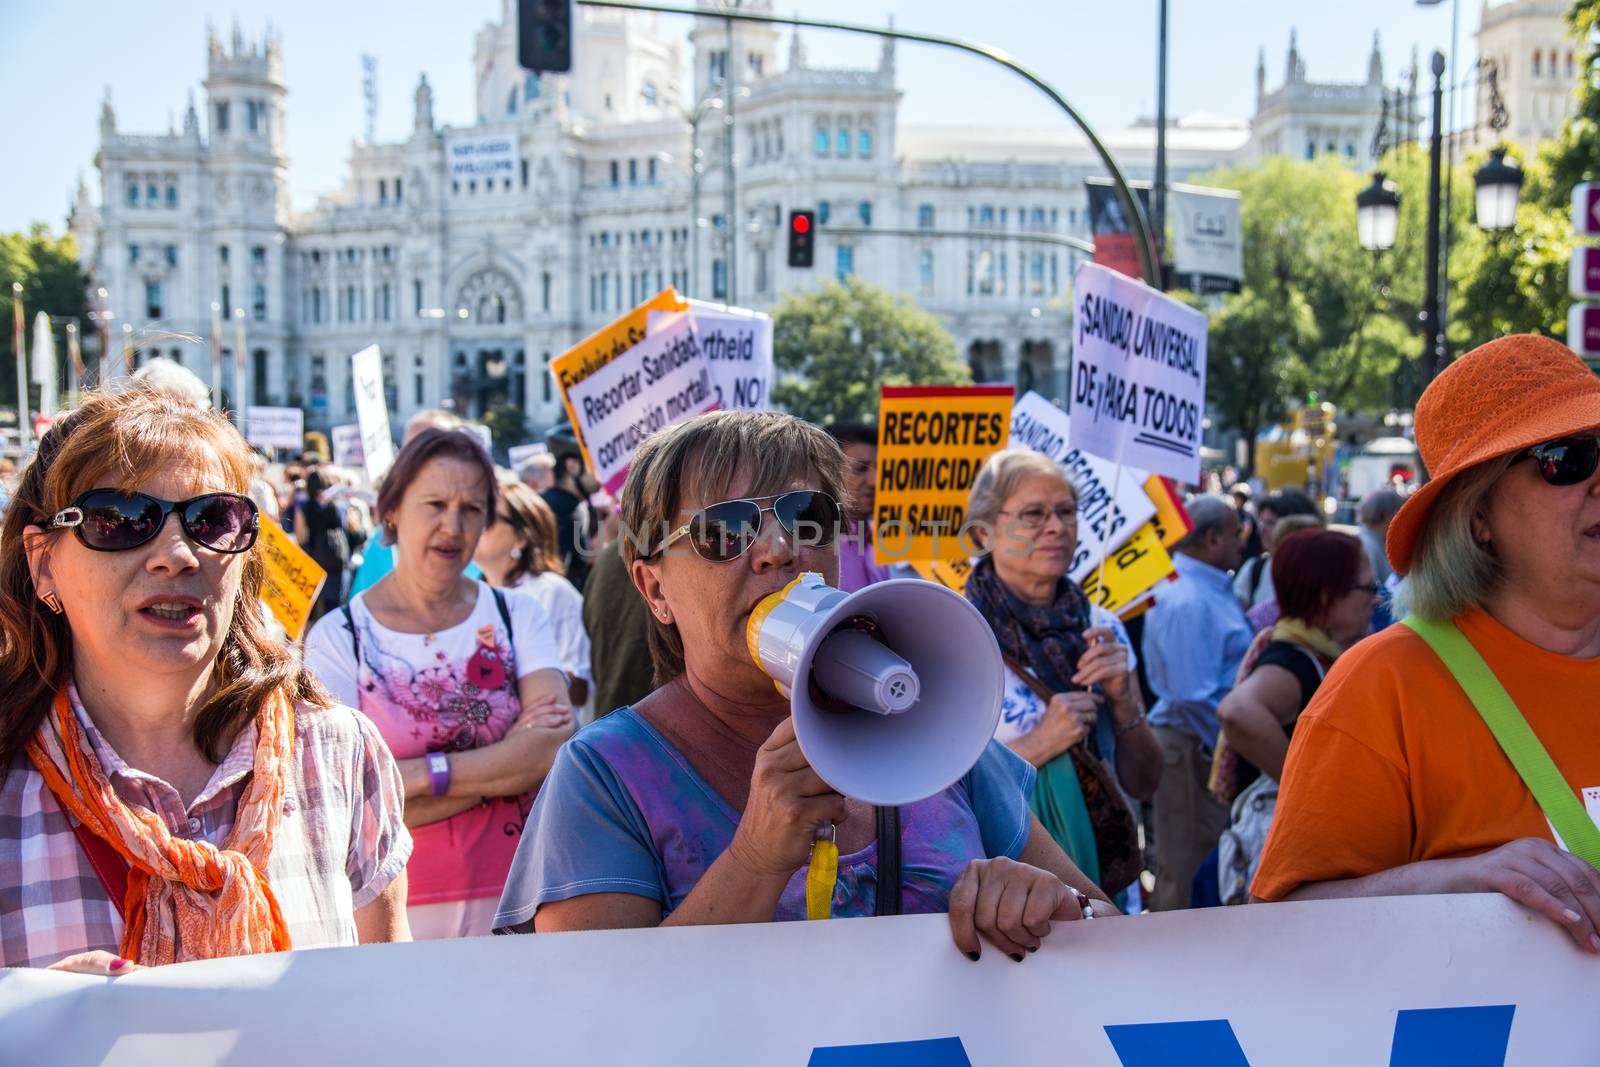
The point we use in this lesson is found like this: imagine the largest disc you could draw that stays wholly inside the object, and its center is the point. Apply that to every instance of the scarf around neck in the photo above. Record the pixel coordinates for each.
(1047, 640)
(186, 900)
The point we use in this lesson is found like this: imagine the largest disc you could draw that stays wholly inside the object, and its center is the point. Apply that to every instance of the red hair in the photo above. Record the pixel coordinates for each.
(1313, 568)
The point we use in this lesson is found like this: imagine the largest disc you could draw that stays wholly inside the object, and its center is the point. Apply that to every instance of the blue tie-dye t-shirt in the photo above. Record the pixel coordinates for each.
(622, 811)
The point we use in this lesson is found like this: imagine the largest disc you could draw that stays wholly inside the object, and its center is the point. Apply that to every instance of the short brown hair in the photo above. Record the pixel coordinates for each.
(120, 439)
(416, 454)
(711, 450)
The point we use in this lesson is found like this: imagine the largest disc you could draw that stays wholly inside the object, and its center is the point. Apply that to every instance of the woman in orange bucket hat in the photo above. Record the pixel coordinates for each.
(1401, 778)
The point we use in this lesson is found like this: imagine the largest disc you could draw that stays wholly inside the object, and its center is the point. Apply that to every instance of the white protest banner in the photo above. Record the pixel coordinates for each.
(481, 432)
(660, 381)
(738, 345)
(276, 428)
(482, 157)
(372, 411)
(1102, 524)
(520, 454)
(1207, 247)
(346, 442)
(1398, 981)
(1138, 374)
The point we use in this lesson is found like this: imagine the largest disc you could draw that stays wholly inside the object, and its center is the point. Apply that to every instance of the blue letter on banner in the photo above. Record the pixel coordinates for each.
(943, 1052)
(1457, 1037)
(1206, 1043)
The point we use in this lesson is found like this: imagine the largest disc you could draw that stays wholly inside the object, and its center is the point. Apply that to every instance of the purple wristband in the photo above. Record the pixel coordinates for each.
(439, 773)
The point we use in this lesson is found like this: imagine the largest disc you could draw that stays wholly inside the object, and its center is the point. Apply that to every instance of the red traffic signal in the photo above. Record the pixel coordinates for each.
(802, 241)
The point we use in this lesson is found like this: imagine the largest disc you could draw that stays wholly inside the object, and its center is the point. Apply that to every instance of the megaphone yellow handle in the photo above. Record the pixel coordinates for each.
(821, 877)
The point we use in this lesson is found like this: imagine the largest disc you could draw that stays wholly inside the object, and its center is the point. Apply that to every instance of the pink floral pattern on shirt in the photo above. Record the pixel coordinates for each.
(448, 712)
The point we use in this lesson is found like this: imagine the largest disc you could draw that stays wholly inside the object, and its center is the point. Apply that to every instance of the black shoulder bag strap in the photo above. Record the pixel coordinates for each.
(889, 875)
(355, 639)
(505, 617)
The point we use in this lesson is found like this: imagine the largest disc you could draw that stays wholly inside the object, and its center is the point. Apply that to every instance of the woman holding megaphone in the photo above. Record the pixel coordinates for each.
(698, 805)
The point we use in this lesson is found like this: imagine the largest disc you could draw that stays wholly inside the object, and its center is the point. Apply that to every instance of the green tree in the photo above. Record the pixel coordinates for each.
(1253, 340)
(1575, 154)
(1513, 281)
(47, 267)
(508, 425)
(835, 347)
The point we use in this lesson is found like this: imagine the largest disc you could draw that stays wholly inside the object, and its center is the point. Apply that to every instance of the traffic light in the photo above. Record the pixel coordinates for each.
(802, 238)
(544, 34)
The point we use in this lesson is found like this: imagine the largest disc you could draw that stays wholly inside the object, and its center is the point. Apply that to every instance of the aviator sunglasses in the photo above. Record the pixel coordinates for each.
(115, 520)
(722, 532)
(1566, 460)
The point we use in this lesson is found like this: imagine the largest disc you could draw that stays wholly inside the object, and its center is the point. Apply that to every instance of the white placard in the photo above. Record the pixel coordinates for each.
(481, 432)
(517, 455)
(1206, 241)
(1385, 982)
(1138, 374)
(346, 442)
(276, 428)
(1102, 525)
(372, 411)
(738, 346)
(660, 381)
(482, 157)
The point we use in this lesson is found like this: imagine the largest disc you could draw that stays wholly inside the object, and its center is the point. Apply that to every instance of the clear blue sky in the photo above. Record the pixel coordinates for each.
(59, 57)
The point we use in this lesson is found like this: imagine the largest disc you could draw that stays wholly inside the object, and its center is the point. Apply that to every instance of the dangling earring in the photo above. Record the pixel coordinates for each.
(51, 601)
(516, 553)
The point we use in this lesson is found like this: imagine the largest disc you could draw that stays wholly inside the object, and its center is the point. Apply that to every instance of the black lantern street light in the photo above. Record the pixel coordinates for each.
(1378, 214)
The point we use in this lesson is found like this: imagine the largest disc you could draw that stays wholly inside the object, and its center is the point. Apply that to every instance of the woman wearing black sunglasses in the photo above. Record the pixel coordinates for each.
(697, 805)
(1409, 772)
(154, 738)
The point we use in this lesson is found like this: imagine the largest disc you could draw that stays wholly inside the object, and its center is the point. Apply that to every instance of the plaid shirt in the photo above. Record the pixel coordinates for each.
(340, 844)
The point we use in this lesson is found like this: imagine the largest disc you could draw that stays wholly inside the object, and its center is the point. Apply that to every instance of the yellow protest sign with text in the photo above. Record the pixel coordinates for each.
(1130, 571)
(952, 573)
(932, 440)
(293, 579)
(603, 346)
(1171, 521)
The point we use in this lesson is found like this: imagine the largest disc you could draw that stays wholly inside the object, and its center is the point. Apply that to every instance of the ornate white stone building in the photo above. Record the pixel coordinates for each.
(470, 286)
(1308, 119)
(1539, 65)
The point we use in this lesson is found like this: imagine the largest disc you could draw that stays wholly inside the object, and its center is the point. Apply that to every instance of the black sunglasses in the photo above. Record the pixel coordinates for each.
(723, 532)
(1566, 460)
(115, 520)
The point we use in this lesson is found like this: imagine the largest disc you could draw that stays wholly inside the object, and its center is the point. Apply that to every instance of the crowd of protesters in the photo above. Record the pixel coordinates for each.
(523, 706)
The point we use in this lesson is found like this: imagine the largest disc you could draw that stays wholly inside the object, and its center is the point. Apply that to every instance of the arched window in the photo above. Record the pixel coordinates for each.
(864, 143)
(647, 94)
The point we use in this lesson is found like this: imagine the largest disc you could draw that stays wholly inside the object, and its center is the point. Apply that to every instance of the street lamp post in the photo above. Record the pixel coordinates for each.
(696, 173)
(1433, 322)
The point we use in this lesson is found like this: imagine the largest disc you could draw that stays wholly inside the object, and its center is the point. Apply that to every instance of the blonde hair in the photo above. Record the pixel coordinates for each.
(708, 452)
(999, 477)
(121, 439)
(1451, 573)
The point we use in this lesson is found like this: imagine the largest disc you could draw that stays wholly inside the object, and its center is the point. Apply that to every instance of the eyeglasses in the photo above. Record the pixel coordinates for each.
(1036, 517)
(723, 532)
(1566, 460)
(115, 520)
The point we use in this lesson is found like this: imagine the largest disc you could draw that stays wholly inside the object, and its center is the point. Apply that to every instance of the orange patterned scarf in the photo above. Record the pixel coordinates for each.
(187, 900)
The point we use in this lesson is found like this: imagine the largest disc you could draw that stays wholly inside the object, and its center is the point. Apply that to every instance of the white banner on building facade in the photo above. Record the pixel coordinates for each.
(276, 427)
(346, 443)
(1400, 981)
(738, 346)
(482, 157)
(1207, 246)
(1138, 374)
(1103, 525)
(372, 411)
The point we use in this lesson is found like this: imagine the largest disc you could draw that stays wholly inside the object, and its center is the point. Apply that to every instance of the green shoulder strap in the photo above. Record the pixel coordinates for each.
(1516, 737)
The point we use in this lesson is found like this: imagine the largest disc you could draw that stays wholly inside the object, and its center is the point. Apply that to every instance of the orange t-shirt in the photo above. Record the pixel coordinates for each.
(1390, 763)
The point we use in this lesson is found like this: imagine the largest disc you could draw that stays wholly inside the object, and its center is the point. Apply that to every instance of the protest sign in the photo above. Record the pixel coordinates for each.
(601, 347)
(1171, 521)
(1138, 374)
(276, 427)
(292, 581)
(950, 573)
(1102, 524)
(346, 441)
(932, 440)
(1416, 981)
(1207, 246)
(481, 432)
(1129, 571)
(738, 345)
(517, 455)
(658, 382)
(372, 411)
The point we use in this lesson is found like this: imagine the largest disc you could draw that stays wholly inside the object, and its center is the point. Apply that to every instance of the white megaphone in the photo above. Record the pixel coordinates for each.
(894, 689)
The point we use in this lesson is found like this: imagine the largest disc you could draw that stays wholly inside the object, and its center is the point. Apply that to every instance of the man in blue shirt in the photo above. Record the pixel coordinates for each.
(1194, 639)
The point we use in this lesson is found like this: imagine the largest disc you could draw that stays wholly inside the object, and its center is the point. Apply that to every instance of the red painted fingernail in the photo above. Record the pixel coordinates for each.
(118, 963)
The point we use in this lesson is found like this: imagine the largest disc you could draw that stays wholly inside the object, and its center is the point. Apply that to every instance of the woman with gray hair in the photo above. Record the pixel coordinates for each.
(1072, 695)
(697, 805)
(1459, 752)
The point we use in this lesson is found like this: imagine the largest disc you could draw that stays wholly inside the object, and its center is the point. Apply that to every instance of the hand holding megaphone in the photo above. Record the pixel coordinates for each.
(894, 690)
(788, 802)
